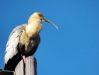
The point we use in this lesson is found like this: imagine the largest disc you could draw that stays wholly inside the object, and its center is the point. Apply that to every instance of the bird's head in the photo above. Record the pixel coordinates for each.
(39, 16)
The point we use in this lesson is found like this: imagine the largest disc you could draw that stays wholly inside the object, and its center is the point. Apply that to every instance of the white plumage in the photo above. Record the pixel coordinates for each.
(13, 40)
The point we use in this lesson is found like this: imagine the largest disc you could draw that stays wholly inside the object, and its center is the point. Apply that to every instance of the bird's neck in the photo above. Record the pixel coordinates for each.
(33, 29)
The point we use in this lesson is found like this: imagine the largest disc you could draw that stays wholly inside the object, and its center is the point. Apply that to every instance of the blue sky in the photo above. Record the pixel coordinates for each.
(73, 49)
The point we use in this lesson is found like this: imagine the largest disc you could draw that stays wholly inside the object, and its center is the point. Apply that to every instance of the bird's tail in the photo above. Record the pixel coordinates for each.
(12, 63)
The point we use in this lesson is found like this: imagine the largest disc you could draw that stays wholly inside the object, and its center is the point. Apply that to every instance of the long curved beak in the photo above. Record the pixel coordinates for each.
(50, 22)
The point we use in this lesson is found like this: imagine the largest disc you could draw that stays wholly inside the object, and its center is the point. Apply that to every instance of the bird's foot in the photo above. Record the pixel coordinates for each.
(24, 58)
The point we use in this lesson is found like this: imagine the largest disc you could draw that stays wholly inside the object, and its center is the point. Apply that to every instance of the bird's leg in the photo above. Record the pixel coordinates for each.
(24, 58)
(24, 61)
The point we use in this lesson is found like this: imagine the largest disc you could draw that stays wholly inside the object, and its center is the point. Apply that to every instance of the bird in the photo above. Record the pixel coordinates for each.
(24, 40)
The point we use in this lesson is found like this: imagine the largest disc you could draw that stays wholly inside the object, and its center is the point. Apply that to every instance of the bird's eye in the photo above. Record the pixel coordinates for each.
(41, 19)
